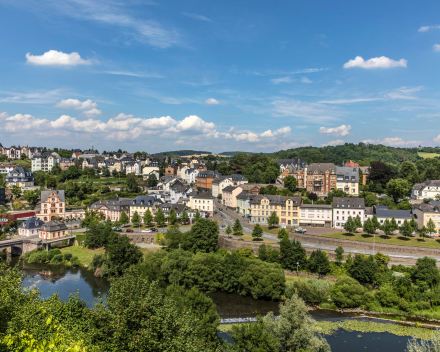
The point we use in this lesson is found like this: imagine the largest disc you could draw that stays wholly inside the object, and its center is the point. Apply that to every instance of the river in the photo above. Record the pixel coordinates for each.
(66, 281)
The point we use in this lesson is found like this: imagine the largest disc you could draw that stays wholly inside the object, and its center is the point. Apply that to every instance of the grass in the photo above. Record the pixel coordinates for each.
(392, 239)
(22, 162)
(428, 155)
(84, 255)
(142, 226)
(248, 237)
(273, 230)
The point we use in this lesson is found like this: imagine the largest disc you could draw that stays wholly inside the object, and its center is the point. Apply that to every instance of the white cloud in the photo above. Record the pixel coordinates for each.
(91, 113)
(248, 137)
(369, 141)
(341, 131)
(197, 17)
(403, 93)
(436, 47)
(306, 80)
(375, 62)
(270, 134)
(156, 123)
(38, 97)
(57, 58)
(286, 79)
(76, 104)
(437, 139)
(211, 101)
(427, 28)
(333, 143)
(309, 112)
(194, 123)
(392, 141)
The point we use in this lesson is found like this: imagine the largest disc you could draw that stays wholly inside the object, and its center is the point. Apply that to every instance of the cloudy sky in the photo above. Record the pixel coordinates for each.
(219, 76)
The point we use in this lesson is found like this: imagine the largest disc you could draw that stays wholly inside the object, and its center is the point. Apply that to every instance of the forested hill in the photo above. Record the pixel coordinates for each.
(356, 152)
(183, 152)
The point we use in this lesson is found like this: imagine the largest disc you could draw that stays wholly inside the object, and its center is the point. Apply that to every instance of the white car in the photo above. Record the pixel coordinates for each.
(146, 230)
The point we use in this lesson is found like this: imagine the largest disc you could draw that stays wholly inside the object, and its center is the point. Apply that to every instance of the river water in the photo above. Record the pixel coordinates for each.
(66, 281)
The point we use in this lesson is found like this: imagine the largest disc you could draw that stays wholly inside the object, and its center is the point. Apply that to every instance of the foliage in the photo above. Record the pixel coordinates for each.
(319, 263)
(426, 271)
(347, 292)
(203, 237)
(291, 183)
(273, 219)
(184, 218)
(364, 269)
(132, 185)
(398, 188)
(369, 226)
(380, 173)
(123, 219)
(228, 230)
(31, 196)
(310, 290)
(159, 218)
(152, 180)
(292, 254)
(121, 253)
(257, 233)
(148, 218)
(237, 228)
(350, 225)
(172, 217)
(135, 219)
(283, 233)
(433, 345)
(254, 337)
(339, 254)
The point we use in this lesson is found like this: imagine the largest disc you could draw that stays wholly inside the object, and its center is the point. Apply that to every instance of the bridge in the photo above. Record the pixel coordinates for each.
(22, 245)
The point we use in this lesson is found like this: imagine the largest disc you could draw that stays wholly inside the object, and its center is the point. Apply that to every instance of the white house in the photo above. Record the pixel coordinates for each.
(191, 175)
(12, 152)
(344, 207)
(6, 168)
(147, 170)
(219, 184)
(318, 215)
(133, 167)
(179, 191)
(382, 213)
(427, 189)
(45, 162)
(201, 201)
(30, 227)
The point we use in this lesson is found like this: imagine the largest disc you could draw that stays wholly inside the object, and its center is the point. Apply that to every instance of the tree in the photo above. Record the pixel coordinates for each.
(237, 228)
(172, 217)
(283, 233)
(254, 337)
(312, 196)
(414, 225)
(152, 180)
(426, 270)
(369, 227)
(123, 219)
(291, 183)
(423, 231)
(339, 254)
(319, 263)
(114, 173)
(197, 216)
(262, 252)
(375, 222)
(132, 184)
(292, 253)
(159, 218)
(106, 172)
(121, 253)
(273, 219)
(135, 219)
(16, 191)
(387, 227)
(380, 173)
(406, 228)
(184, 218)
(174, 238)
(409, 172)
(148, 218)
(72, 172)
(347, 293)
(51, 182)
(228, 230)
(203, 237)
(358, 222)
(393, 223)
(350, 225)
(430, 226)
(257, 233)
(369, 198)
(398, 188)
(364, 269)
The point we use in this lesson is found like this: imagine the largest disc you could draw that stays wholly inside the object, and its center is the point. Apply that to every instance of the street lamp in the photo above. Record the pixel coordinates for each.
(297, 268)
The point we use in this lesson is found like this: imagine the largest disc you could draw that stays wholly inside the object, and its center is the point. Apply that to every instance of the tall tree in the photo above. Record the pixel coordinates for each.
(257, 233)
(423, 231)
(406, 228)
(291, 183)
(237, 228)
(148, 218)
(430, 226)
(159, 218)
(375, 222)
(339, 254)
(398, 188)
(409, 172)
(197, 216)
(369, 227)
(350, 225)
(203, 237)
(319, 263)
(152, 180)
(123, 219)
(172, 217)
(135, 219)
(358, 222)
(380, 173)
(283, 233)
(184, 218)
(132, 185)
(414, 225)
(121, 253)
(228, 230)
(273, 219)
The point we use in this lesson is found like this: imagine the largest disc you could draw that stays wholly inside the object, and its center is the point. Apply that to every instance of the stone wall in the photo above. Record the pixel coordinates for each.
(367, 246)
(142, 237)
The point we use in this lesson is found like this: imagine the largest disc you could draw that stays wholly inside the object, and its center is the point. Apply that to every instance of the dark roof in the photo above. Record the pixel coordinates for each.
(31, 223)
(276, 199)
(54, 226)
(427, 184)
(208, 174)
(321, 206)
(296, 161)
(113, 203)
(47, 194)
(220, 179)
(321, 168)
(238, 177)
(369, 210)
(202, 195)
(229, 188)
(347, 202)
(245, 195)
(145, 201)
(178, 208)
(20, 171)
(432, 208)
(389, 213)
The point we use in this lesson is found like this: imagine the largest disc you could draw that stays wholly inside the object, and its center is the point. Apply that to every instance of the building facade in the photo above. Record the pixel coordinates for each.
(45, 162)
(52, 205)
(20, 177)
(6, 168)
(316, 215)
(345, 207)
(30, 227)
(243, 203)
(230, 194)
(112, 208)
(321, 178)
(427, 189)
(142, 203)
(191, 175)
(425, 212)
(53, 230)
(205, 178)
(287, 209)
(65, 163)
(202, 201)
(347, 179)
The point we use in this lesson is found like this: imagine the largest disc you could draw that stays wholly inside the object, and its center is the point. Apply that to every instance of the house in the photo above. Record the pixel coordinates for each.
(112, 208)
(179, 191)
(243, 203)
(181, 171)
(296, 162)
(133, 167)
(125, 160)
(287, 209)
(142, 203)
(75, 214)
(52, 205)
(424, 212)
(365, 174)
(30, 152)
(171, 170)
(344, 207)
(382, 213)
(201, 201)
(19, 177)
(427, 189)
(347, 179)
(30, 227)
(317, 215)
(147, 170)
(230, 194)
(168, 182)
(205, 178)
(52, 230)
(65, 163)
(91, 151)
(219, 184)
(144, 159)
(45, 162)
(178, 209)
(12, 152)
(6, 168)
(350, 164)
(321, 178)
(191, 175)
(76, 153)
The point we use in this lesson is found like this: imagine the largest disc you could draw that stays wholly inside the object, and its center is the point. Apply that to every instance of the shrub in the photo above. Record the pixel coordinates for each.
(37, 257)
(52, 253)
(347, 293)
(310, 290)
(67, 256)
(97, 261)
(74, 261)
(57, 259)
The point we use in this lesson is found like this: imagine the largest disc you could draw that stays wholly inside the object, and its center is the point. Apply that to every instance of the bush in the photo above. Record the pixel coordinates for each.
(52, 253)
(28, 254)
(57, 259)
(74, 261)
(310, 290)
(347, 293)
(67, 256)
(37, 257)
(97, 261)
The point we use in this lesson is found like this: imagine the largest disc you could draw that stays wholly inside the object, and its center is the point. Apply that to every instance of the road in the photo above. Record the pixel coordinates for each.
(229, 219)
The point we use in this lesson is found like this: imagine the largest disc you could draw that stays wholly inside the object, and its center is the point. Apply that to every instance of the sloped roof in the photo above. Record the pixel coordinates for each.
(54, 226)
(46, 194)
(31, 223)
(348, 202)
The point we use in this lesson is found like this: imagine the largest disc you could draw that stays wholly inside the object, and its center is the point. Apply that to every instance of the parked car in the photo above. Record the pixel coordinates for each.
(129, 230)
(153, 229)
(300, 230)
(117, 229)
(147, 230)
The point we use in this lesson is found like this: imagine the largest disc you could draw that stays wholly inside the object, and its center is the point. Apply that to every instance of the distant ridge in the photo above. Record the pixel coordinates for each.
(233, 153)
(183, 152)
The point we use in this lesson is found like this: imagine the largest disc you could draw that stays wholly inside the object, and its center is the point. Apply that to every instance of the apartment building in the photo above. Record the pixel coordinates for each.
(112, 208)
(19, 177)
(347, 179)
(45, 162)
(344, 207)
(205, 178)
(65, 163)
(142, 203)
(317, 215)
(427, 189)
(425, 212)
(52, 205)
(230, 194)
(201, 201)
(243, 203)
(287, 209)
(321, 178)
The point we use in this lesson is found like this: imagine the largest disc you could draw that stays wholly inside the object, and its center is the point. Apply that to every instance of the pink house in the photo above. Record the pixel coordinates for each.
(229, 196)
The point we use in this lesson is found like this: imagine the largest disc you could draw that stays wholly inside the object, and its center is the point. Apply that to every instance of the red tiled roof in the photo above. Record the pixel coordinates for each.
(350, 163)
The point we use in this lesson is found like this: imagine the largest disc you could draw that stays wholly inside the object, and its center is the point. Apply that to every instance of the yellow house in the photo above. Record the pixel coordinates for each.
(287, 209)
(425, 212)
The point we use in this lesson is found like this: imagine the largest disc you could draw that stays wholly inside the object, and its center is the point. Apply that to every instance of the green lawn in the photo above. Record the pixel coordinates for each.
(21, 162)
(273, 230)
(392, 239)
(142, 226)
(84, 255)
(428, 155)
(248, 237)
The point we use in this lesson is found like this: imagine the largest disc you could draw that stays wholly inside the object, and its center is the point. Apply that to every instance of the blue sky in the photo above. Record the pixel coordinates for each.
(218, 76)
